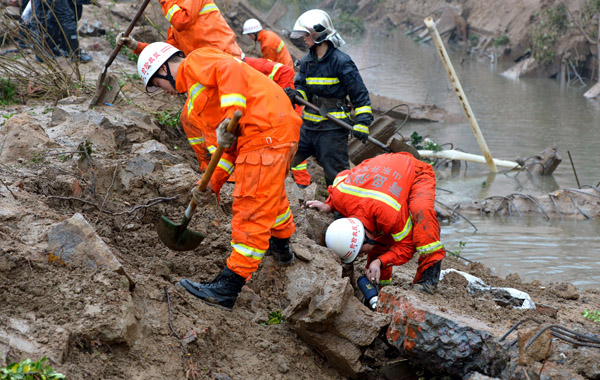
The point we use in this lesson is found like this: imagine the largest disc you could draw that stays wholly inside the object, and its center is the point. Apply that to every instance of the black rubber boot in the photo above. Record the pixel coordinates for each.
(280, 249)
(222, 291)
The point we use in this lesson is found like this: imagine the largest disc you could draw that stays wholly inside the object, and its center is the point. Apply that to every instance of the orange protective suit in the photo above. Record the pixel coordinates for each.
(284, 77)
(272, 47)
(380, 192)
(196, 24)
(217, 85)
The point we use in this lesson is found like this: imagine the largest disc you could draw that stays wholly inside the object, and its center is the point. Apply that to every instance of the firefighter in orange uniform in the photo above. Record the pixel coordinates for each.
(194, 24)
(271, 45)
(284, 77)
(388, 205)
(217, 85)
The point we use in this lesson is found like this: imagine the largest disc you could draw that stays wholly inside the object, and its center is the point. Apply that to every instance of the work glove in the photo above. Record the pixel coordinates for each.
(225, 139)
(361, 132)
(130, 42)
(203, 198)
(291, 93)
(431, 277)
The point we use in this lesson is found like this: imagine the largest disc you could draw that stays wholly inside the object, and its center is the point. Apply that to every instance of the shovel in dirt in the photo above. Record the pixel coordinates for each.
(396, 145)
(107, 88)
(176, 236)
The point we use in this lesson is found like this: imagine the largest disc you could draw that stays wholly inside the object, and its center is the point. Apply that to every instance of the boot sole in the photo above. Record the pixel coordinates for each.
(212, 301)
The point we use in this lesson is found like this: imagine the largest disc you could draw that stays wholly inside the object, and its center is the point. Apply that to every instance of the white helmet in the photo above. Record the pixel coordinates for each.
(345, 237)
(318, 24)
(251, 25)
(152, 58)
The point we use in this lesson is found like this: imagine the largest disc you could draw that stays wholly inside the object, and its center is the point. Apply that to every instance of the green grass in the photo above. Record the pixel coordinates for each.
(8, 92)
(29, 370)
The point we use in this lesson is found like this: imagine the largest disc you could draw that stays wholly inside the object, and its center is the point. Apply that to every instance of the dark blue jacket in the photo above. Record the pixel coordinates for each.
(334, 76)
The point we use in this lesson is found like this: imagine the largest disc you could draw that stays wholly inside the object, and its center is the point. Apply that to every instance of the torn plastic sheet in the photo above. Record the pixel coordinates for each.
(475, 284)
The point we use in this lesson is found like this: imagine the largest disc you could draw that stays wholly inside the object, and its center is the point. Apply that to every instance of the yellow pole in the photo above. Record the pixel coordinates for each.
(460, 93)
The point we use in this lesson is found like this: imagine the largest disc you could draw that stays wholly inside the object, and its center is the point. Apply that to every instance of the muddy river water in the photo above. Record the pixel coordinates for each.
(518, 118)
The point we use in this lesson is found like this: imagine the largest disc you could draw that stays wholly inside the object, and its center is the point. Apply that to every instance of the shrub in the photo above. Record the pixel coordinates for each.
(29, 370)
(8, 92)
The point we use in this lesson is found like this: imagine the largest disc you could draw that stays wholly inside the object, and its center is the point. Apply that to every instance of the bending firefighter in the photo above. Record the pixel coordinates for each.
(217, 85)
(377, 199)
(326, 77)
(271, 45)
(194, 24)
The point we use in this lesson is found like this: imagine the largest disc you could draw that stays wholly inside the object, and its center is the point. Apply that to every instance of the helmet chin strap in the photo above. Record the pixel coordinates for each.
(168, 77)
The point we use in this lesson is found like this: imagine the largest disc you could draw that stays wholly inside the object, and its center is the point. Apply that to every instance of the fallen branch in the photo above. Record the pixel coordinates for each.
(149, 203)
(8, 188)
(458, 213)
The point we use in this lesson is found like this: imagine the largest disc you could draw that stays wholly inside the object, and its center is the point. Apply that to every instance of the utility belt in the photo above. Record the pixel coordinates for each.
(329, 102)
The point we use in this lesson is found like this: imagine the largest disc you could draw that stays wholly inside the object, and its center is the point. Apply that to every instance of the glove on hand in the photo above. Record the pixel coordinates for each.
(203, 198)
(431, 277)
(359, 134)
(130, 42)
(291, 93)
(225, 139)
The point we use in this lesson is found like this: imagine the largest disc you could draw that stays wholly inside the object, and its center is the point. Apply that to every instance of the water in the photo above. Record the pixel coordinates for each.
(518, 118)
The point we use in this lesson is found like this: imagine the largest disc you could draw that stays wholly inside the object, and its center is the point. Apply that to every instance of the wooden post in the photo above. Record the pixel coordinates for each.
(460, 93)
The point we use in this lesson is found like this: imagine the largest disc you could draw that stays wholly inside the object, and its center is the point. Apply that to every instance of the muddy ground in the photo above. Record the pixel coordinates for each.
(134, 322)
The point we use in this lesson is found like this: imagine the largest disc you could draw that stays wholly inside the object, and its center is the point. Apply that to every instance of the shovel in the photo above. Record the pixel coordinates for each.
(176, 236)
(105, 87)
(395, 147)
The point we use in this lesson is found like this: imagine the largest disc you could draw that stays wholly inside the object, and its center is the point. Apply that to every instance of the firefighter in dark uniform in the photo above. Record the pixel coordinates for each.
(327, 78)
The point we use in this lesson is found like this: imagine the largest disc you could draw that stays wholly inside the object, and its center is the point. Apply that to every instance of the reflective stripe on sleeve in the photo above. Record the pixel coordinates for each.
(275, 68)
(372, 194)
(432, 247)
(301, 166)
(303, 94)
(211, 7)
(233, 100)
(312, 117)
(196, 140)
(339, 179)
(211, 149)
(283, 217)
(361, 128)
(363, 109)
(195, 90)
(322, 81)
(172, 11)
(226, 165)
(280, 47)
(405, 231)
(385, 282)
(247, 251)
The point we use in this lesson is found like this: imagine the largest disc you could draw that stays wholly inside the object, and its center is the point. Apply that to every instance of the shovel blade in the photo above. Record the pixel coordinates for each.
(176, 239)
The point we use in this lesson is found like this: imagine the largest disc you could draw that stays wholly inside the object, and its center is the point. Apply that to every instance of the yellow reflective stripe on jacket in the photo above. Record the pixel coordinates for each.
(226, 165)
(281, 45)
(247, 251)
(211, 7)
(275, 68)
(385, 282)
(363, 109)
(211, 149)
(322, 81)
(195, 90)
(339, 115)
(283, 217)
(172, 11)
(312, 117)
(301, 166)
(372, 194)
(432, 247)
(233, 100)
(303, 94)
(361, 128)
(196, 140)
(405, 231)
(337, 180)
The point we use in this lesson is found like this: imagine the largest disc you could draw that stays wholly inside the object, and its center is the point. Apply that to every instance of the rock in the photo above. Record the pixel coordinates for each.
(526, 67)
(76, 242)
(539, 350)
(564, 291)
(23, 137)
(155, 150)
(593, 92)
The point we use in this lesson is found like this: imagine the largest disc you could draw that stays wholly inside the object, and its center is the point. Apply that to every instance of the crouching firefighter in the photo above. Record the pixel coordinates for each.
(388, 204)
(217, 84)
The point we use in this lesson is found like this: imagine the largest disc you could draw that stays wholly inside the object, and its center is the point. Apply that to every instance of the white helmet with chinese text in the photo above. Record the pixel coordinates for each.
(345, 237)
(152, 58)
(318, 24)
(251, 25)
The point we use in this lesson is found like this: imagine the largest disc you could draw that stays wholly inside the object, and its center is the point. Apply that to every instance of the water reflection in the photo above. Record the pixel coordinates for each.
(518, 118)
